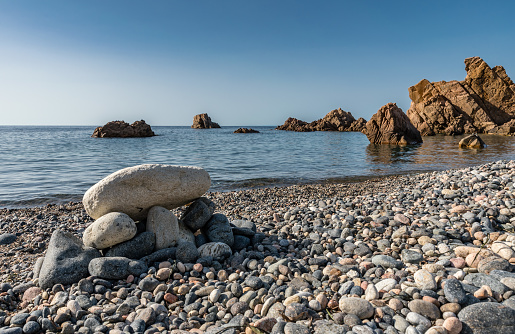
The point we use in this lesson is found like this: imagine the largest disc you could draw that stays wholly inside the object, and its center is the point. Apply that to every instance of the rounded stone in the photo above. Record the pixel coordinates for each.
(198, 213)
(218, 229)
(134, 190)
(109, 230)
(141, 245)
(187, 252)
(360, 307)
(424, 308)
(487, 318)
(454, 291)
(452, 325)
(215, 249)
(425, 280)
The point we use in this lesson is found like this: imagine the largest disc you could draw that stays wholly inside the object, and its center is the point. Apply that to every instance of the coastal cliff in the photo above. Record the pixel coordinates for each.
(484, 102)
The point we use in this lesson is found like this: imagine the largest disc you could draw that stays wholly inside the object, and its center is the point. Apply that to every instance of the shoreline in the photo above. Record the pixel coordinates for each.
(325, 238)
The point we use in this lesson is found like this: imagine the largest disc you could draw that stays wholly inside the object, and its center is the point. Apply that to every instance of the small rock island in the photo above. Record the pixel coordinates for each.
(203, 121)
(121, 129)
(246, 130)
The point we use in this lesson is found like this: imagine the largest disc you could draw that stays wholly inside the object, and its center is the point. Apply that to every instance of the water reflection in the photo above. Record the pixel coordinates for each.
(437, 153)
(390, 154)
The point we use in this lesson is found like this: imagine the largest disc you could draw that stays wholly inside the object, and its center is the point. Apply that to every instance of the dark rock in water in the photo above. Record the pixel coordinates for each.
(218, 229)
(390, 125)
(454, 292)
(116, 267)
(246, 130)
(335, 120)
(203, 121)
(141, 245)
(122, 129)
(487, 318)
(240, 242)
(7, 238)
(472, 141)
(198, 213)
(66, 260)
(187, 252)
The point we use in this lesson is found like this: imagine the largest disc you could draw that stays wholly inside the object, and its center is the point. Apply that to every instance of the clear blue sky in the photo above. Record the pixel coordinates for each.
(243, 62)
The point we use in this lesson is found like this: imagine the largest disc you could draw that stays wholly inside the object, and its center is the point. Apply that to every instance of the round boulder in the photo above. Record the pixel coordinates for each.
(134, 190)
(109, 230)
(215, 249)
(357, 306)
(218, 229)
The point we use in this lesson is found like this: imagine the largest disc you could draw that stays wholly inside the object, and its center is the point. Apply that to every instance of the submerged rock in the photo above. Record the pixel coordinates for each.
(245, 130)
(472, 141)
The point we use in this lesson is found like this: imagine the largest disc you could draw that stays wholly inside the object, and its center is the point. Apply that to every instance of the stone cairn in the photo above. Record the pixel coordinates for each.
(134, 227)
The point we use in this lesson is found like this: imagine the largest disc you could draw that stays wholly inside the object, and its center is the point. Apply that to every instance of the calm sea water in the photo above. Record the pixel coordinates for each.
(40, 165)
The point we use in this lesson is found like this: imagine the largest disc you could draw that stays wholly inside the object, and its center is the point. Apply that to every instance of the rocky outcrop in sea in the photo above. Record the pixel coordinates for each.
(390, 125)
(245, 130)
(122, 129)
(427, 253)
(484, 103)
(335, 120)
(203, 121)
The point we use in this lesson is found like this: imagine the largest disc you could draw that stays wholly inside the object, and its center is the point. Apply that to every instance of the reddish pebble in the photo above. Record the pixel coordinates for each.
(453, 325)
(130, 279)
(458, 262)
(198, 267)
(332, 304)
(366, 265)
(165, 264)
(170, 298)
(431, 300)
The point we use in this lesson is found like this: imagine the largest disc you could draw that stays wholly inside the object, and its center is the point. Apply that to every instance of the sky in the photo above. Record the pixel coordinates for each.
(252, 62)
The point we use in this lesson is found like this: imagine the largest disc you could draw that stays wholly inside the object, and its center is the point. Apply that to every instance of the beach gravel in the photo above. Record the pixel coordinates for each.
(423, 253)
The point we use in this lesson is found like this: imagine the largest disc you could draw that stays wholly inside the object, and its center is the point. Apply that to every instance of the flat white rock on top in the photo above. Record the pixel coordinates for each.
(134, 190)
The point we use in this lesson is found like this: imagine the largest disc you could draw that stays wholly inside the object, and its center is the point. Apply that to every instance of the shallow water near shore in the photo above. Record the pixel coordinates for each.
(50, 164)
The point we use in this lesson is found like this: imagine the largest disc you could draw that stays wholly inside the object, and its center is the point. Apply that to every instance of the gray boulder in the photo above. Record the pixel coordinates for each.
(7, 238)
(487, 318)
(198, 213)
(134, 190)
(218, 229)
(66, 260)
(215, 249)
(141, 245)
(187, 252)
(116, 267)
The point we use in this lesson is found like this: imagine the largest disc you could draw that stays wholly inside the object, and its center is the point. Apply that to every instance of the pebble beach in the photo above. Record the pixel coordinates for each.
(424, 253)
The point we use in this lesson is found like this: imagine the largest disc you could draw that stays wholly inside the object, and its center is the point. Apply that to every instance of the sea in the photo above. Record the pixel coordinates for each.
(42, 165)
